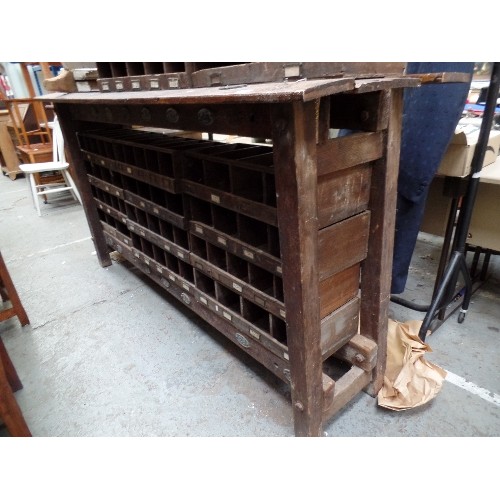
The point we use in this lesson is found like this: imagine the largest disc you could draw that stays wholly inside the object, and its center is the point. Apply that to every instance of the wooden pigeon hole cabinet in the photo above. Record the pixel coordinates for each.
(284, 249)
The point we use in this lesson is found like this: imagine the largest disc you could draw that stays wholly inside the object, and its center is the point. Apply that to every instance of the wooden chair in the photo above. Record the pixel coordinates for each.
(30, 124)
(37, 171)
(10, 413)
(30, 132)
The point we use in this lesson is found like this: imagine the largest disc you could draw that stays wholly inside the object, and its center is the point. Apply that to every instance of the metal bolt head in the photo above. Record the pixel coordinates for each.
(299, 406)
(172, 115)
(359, 358)
(205, 116)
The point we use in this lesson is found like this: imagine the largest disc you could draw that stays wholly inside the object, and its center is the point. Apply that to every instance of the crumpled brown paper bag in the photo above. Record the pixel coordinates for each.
(410, 380)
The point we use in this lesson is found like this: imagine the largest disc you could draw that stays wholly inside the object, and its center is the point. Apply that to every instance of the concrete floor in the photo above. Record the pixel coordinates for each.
(108, 353)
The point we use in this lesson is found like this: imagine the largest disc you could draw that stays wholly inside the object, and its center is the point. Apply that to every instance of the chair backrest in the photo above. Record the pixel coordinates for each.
(29, 121)
(58, 154)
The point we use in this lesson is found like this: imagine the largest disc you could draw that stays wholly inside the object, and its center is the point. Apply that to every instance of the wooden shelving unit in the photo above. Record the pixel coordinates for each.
(286, 249)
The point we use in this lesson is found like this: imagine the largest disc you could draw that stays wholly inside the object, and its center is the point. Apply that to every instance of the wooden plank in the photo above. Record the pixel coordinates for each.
(377, 267)
(260, 72)
(344, 152)
(443, 77)
(376, 84)
(346, 388)
(356, 69)
(338, 289)
(248, 120)
(343, 194)
(339, 327)
(70, 129)
(343, 244)
(273, 92)
(294, 140)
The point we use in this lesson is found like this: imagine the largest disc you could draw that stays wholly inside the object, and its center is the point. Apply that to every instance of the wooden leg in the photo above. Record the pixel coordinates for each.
(35, 180)
(376, 280)
(10, 371)
(10, 412)
(69, 182)
(70, 136)
(12, 293)
(294, 134)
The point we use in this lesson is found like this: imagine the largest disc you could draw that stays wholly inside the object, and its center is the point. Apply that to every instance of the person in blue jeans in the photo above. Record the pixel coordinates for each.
(430, 115)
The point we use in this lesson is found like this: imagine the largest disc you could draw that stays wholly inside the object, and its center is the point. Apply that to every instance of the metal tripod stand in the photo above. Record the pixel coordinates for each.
(457, 263)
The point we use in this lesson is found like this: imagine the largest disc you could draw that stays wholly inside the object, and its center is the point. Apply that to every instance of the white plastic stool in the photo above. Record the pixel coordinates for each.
(59, 163)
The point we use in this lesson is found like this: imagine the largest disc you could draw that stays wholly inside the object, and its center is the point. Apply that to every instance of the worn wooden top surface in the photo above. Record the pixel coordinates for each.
(275, 92)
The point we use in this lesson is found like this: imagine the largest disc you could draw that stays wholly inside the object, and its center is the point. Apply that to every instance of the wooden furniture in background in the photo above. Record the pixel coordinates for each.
(8, 154)
(29, 121)
(58, 164)
(286, 250)
(10, 413)
(8, 292)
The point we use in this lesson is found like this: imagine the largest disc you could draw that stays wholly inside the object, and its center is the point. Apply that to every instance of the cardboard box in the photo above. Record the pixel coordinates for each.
(458, 157)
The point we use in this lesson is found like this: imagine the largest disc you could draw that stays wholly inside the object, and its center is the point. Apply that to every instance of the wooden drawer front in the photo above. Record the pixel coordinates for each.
(339, 327)
(343, 194)
(343, 244)
(338, 289)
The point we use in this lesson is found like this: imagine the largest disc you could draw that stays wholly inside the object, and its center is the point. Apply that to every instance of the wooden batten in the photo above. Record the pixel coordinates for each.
(348, 238)
(349, 151)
